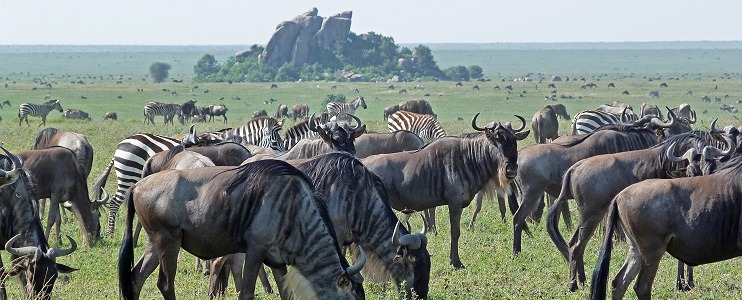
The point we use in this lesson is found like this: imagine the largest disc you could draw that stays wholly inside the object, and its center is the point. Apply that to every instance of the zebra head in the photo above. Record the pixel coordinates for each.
(505, 138)
(54, 104)
(271, 139)
(360, 102)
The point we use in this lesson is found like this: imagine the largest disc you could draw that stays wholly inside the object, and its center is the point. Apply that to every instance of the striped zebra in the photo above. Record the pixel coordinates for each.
(128, 161)
(300, 131)
(168, 110)
(37, 110)
(338, 111)
(261, 131)
(588, 121)
(426, 127)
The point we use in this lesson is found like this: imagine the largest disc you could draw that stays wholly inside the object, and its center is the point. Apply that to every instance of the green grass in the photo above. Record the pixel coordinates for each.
(538, 272)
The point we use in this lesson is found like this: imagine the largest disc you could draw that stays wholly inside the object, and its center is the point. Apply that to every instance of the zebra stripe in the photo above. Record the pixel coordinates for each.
(588, 121)
(297, 132)
(128, 161)
(37, 110)
(426, 127)
(261, 131)
(340, 110)
(168, 110)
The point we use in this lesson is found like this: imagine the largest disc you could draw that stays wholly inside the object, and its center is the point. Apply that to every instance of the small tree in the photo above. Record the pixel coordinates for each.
(206, 66)
(475, 72)
(159, 71)
(457, 73)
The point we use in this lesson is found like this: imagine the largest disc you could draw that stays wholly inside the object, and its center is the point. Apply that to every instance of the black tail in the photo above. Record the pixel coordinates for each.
(552, 218)
(600, 274)
(126, 254)
(100, 183)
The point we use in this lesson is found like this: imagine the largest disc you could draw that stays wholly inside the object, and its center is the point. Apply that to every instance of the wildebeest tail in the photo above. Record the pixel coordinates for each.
(552, 218)
(600, 274)
(126, 254)
(100, 183)
(516, 190)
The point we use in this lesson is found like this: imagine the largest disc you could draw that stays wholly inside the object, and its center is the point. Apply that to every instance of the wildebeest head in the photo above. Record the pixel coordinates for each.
(505, 138)
(34, 263)
(341, 137)
(412, 254)
(707, 160)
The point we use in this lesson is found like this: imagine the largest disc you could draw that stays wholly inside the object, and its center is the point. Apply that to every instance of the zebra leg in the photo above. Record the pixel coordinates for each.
(43, 121)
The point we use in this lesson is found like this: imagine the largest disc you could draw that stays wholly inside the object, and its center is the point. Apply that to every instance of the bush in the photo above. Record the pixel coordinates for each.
(159, 71)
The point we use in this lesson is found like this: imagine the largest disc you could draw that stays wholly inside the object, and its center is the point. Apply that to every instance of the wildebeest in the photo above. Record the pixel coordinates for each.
(654, 94)
(58, 176)
(541, 166)
(189, 109)
(37, 110)
(381, 143)
(388, 111)
(694, 219)
(110, 116)
(683, 111)
(594, 181)
(449, 171)
(260, 113)
(269, 210)
(274, 86)
(649, 109)
(282, 112)
(33, 260)
(5, 102)
(545, 125)
(560, 111)
(625, 92)
(215, 110)
(76, 142)
(75, 114)
(418, 106)
(299, 111)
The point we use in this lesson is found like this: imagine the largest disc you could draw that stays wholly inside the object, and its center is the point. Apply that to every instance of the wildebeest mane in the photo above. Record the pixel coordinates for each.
(44, 138)
(732, 165)
(614, 127)
(172, 152)
(681, 141)
(30, 221)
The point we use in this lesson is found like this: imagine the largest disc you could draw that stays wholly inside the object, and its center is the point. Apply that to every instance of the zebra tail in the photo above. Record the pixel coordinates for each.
(126, 254)
(600, 274)
(100, 183)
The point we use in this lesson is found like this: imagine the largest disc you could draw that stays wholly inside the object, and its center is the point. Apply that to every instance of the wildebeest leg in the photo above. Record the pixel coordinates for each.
(144, 267)
(429, 215)
(691, 285)
(530, 198)
(477, 208)
(536, 214)
(683, 284)
(577, 246)
(454, 210)
(503, 207)
(647, 272)
(278, 275)
(41, 208)
(168, 245)
(627, 273)
(253, 262)
(263, 280)
(3, 294)
(219, 278)
(137, 231)
(52, 218)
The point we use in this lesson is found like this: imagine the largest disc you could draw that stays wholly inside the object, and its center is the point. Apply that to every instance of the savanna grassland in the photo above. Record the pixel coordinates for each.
(110, 80)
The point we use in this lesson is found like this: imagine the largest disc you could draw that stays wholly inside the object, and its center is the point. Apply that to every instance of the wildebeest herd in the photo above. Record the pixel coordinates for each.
(244, 198)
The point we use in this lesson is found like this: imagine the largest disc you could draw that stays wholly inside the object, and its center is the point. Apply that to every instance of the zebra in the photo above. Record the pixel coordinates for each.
(301, 130)
(37, 110)
(338, 111)
(261, 131)
(426, 127)
(168, 110)
(588, 121)
(128, 161)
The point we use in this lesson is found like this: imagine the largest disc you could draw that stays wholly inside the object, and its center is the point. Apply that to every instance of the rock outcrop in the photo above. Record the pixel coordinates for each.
(296, 41)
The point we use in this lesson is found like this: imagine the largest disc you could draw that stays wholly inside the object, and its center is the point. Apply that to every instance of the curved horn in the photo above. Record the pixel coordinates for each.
(692, 119)
(358, 122)
(523, 121)
(395, 237)
(423, 237)
(719, 154)
(312, 126)
(22, 251)
(353, 270)
(657, 121)
(474, 123)
(58, 252)
(412, 241)
(713, 127)
(103, 200)
(17, 164)
(688, 155)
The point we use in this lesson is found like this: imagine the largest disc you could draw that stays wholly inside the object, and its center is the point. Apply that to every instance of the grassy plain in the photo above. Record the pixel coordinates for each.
(538, 272)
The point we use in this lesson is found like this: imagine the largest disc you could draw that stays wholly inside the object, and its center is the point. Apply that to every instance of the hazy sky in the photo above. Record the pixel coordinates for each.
(228, 22)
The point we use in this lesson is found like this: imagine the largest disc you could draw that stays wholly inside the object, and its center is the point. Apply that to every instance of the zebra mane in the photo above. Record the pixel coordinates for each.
(44, 138)
(50, 102)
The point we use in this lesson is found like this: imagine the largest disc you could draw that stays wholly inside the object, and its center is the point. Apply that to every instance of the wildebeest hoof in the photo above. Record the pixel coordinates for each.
(458, 265)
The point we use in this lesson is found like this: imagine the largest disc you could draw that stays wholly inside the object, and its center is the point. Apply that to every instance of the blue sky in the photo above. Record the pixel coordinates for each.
(190, 22)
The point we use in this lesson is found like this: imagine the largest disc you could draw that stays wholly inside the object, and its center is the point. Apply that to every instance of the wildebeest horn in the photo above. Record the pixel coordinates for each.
(523, 121)
(713, 127)
(719, 154)
(353, 270)
(103, 200)
(312, 125)
(358, 122)
(412, 241)
(657, 121)
(395, 237)
(422, 236)
(59, 252)
(17, 164)
(474, 123)
(688, 155)
(692, 119)
(22, 251)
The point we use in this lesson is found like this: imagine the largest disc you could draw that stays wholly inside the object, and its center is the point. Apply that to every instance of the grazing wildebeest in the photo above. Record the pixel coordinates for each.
(545, 125)
(6, 102)
(282, 112)
(37, 110)
(299, 111)
(649, 109)
(654, 94)
(458, 83)
(381, 143)
(449, 171)
(33, 260)
(339, 111)
(215, 110)
(274, 86)
(269, 209)
(189, 109)
(560, 111)
(611, 85)
(388, 111)
(541, 166)
(360, 212)
(625, 92)
(594, 181)
(402, 91)
(663, 85)
(694, 219)
(418, 106)
(58, 176)
(75, 114)
(76, 142)
(110, 116)
(260, 113)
